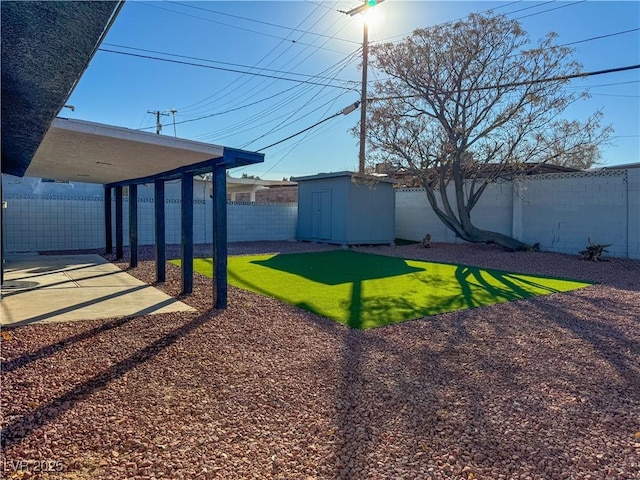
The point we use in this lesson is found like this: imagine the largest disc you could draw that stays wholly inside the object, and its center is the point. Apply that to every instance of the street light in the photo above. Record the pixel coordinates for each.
(365, 54)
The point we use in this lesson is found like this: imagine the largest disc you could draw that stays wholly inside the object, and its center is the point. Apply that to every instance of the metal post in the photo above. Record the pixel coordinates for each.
(220, 235)
(108, 232)
(187, 232)
(119, 233)
(133, 226)
(1, 235)
(161, 255)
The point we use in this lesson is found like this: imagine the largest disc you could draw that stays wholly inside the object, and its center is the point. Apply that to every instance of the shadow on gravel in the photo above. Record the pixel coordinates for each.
(18, 429)
(586, 320)
(481, 394)
(52, 349)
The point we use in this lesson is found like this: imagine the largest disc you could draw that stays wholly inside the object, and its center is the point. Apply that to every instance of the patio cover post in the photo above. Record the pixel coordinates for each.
(108, 232)
(1, 234)
(133, 225)
(187, 231)
(119, 237)
(161, 254)
(220, 235)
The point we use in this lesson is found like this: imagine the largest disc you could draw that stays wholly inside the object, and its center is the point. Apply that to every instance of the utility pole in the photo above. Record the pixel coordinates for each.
(158, 113)
(363, 101)
(173, 112)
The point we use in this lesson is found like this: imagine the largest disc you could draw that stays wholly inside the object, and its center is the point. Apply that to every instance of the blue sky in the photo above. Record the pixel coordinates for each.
(287, 42)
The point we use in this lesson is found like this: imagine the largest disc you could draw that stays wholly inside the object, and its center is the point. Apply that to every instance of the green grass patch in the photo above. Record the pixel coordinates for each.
(363, 290)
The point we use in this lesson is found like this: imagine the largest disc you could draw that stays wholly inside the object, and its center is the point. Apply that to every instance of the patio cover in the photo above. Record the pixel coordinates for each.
(81, 151)
(46, 46)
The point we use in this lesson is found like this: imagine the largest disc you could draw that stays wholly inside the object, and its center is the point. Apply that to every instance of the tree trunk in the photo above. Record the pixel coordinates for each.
(477, 235)
(465, 229)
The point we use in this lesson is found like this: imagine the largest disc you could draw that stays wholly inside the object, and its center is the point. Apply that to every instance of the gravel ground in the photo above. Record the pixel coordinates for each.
(544, 388)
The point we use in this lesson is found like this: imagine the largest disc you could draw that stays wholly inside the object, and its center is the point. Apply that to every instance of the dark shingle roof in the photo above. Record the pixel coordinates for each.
(46, 46)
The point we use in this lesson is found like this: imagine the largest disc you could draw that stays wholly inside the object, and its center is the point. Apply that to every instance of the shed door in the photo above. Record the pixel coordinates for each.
(321, 225)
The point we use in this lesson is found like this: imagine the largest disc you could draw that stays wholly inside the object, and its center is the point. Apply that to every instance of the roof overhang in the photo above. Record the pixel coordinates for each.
(46, 47)
(81, 151)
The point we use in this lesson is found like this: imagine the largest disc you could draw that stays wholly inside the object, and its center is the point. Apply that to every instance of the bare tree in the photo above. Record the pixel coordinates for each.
(469, 102)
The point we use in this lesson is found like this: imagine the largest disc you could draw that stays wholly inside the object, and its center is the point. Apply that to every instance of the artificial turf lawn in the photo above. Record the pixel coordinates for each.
(363, 290)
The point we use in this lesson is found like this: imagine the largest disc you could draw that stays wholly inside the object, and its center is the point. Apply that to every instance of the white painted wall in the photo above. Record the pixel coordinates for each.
(560, 211)
(67, 222)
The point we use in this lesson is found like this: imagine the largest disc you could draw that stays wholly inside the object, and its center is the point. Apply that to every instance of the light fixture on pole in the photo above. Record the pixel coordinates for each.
(173, 112)
(365, 54)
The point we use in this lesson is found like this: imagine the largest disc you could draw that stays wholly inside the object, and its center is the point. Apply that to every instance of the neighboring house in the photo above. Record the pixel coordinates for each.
(238, 189)
(407, 179)
(257, 190)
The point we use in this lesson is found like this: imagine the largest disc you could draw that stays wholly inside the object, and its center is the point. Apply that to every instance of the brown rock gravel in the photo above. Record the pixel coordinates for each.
(545, 388)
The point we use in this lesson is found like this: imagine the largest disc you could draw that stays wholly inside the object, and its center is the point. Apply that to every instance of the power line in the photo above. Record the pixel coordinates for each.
(344, 111)
(231, 26)
(262, 22)
(293, 147)
(247, 80)
(493, 9)
(599, 37)
(574, 43)
(550, 9)
(530, 7)
(262, 114)
(614, 84)
(280, 125)
(224, 69)
(528, 82)
(291, 119)
(213, 61)
(457, 19)
(614, 95)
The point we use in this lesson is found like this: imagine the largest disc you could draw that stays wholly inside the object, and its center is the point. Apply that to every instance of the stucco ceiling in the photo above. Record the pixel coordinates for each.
(76, 150)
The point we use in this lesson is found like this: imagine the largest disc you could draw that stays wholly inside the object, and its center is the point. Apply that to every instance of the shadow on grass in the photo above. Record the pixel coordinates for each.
(339, 266)
(427, 290)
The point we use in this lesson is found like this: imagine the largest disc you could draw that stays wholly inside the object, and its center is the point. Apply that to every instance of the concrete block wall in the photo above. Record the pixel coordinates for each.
(245, 221)
(633, 213)
(560, 211)
(67, 222)
(415, 217)
(33, 222)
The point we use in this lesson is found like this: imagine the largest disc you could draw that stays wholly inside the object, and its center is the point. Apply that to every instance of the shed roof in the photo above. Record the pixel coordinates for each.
(344, 173)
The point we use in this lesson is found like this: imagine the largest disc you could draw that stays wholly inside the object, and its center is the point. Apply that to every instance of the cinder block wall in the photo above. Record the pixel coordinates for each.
(415, 217)
(33, 222)
(69, 222)
(563, 211)
(245, 221)
(560, 211)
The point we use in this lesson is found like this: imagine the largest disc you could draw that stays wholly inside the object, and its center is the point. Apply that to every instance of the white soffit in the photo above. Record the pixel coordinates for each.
(81, 151)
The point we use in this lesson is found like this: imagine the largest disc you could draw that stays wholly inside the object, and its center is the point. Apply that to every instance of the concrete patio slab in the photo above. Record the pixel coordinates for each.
(61, 288)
